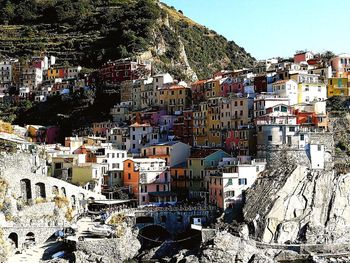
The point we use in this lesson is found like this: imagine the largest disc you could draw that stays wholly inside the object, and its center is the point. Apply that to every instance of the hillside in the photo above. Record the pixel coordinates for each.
(91, 32)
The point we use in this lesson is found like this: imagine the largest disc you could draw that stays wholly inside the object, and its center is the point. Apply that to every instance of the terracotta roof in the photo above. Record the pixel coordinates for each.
(202, 153)
(281, 81)
(136, 124)
(199, 82)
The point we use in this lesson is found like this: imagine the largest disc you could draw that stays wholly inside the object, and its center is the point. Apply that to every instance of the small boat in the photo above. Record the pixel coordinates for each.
(59, 254)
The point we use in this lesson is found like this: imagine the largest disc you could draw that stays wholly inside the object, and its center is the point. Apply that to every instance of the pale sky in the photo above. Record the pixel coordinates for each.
(271, 28)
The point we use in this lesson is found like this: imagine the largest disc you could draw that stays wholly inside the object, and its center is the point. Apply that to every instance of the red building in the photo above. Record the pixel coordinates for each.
(198, 91)
(231, 85)
(122, 70)
(183, 127)
(241, 141)
(260, 83)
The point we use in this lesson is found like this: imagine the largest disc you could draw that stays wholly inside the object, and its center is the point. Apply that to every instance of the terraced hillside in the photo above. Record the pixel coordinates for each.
(92, 32)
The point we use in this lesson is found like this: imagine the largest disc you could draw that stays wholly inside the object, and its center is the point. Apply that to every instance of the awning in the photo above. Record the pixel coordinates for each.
(111, 202)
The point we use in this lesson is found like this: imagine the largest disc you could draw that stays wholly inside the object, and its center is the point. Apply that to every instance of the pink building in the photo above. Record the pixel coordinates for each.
(231, 85)
(341, 65)
(303, 57)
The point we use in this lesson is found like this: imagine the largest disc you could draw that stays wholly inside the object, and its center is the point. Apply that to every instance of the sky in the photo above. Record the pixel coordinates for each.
(275, 28)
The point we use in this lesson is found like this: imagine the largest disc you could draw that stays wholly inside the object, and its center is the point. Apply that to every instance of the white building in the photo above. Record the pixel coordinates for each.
(227, 187)
(119, 137)
(317, 154)
(265, 101)
(142, 134)
(32, 77)
(286, 88)
(5, 75)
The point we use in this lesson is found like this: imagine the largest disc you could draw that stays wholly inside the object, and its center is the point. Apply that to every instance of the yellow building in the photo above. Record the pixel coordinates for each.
(90, 175)
(174, 98)
(212, 88)
(337, 87)
(200, 127)
(214, 122)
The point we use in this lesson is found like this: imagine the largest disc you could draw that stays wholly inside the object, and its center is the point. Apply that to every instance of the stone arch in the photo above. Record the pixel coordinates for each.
(73, 200)
(63, 191)
(81, 196)
(13, 238)
(30, 237)
(26, 189)
(40, 191)
(55, 190)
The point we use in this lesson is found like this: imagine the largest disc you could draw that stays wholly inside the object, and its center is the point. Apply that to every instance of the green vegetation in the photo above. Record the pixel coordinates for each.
(70, 112)
(92, 32)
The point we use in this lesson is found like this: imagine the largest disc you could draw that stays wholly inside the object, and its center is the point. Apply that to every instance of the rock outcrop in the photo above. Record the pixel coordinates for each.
(113, 250)
(293, 203)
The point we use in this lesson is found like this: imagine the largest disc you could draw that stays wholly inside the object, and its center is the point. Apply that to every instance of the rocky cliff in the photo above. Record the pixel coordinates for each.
(296, 204)
(92, 32)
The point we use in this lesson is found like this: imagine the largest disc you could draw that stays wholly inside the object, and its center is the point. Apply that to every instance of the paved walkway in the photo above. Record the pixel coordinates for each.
(34, 254)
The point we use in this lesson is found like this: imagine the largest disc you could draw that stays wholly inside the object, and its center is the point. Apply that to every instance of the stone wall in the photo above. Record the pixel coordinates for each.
(22, 166)
(30, 198)
(176, 221)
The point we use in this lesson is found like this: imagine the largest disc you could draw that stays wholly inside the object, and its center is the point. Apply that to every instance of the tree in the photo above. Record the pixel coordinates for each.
(327, 54)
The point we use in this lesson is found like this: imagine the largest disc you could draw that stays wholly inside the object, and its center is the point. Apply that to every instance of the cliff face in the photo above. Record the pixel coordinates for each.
(92, 32)
(295, 203)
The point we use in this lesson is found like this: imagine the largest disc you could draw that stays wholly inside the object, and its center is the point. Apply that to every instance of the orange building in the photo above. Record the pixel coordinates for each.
(180, 182)
(131, 176)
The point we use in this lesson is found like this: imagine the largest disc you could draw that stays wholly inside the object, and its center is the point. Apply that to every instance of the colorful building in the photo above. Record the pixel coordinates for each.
(173, 152)
(338, 87)
(199, 160)
(149, 180)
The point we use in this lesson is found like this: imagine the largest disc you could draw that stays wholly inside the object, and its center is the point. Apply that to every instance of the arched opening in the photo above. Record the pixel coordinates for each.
(55, 190)
(179, 218)
(13, 239)
(30, 240)
(73, 200)
(163, 219)
(30, 237)
(81, 196)
(63, 191)
(152, 236)
(91, 199)
(40, 190)
(26, 190)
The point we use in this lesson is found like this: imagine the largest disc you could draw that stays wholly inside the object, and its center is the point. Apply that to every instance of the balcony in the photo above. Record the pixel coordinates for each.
(236, 117)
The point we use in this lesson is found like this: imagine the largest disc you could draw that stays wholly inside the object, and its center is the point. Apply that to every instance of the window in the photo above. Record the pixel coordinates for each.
(58, 165)
(269, 138)
(242, 181)
(202, 162)
(229, 181)
(319, 148)
(157, 188)
(301, 137)
(292, 129)
(129, 176)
